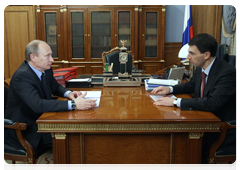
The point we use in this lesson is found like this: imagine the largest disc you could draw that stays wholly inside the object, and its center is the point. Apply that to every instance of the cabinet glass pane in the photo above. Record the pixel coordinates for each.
(51, 32)
(100, 33)
(77, 34)
(124, 28)
(151, 34)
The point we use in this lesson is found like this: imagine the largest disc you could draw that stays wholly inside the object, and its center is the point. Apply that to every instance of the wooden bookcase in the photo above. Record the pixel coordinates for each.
(79, 34)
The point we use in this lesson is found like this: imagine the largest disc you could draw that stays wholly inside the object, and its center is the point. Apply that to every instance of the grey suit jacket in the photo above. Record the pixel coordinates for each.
(219, 94)
(26, 102)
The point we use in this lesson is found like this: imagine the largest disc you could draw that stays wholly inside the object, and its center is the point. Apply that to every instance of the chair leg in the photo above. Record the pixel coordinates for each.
(13, 165)
(13, 162)
(230, 165)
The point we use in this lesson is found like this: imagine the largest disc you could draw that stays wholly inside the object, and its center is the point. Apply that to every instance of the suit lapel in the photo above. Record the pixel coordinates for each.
(211, 76)
(198, 80)
(37, 80)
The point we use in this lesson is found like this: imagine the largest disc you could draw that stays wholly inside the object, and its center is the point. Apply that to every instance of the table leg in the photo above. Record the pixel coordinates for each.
(60, 148)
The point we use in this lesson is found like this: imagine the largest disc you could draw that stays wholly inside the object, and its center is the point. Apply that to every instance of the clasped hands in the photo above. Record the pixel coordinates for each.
(81, 103)
(165, 100)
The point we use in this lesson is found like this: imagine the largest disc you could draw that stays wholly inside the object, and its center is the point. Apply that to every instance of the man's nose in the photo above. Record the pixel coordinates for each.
(51, 59)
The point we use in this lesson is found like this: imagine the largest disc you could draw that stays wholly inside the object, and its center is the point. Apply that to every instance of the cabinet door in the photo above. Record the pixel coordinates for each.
(77, 35)
(125, 27)
(152, 38)
(100, 32)
(51, 32)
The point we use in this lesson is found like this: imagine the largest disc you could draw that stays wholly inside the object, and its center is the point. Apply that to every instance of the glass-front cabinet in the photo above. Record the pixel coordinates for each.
(51, 32)
(78, 35)
(101, 29)
(124, 28)
(151, 35)
(152, 38)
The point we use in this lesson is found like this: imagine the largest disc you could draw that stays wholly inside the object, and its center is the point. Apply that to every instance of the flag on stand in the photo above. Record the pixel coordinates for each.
(187, 25)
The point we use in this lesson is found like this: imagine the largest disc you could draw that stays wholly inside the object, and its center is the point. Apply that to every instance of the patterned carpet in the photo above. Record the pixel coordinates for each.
(44, 162)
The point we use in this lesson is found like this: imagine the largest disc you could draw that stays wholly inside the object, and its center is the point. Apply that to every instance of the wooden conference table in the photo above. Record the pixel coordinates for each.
(127, 129)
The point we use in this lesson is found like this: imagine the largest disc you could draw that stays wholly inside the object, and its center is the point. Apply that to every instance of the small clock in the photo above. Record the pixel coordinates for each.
(123, 57)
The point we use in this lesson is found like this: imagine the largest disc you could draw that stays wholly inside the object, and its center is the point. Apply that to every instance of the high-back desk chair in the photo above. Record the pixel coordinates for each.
(112, 56)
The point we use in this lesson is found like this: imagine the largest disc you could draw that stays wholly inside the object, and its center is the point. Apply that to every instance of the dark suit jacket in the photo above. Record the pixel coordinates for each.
(26, 102)
(219, 94)
(219, 98)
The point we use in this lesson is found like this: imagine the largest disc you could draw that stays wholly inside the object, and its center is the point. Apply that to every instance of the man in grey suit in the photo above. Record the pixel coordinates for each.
(216, 95)
(30, 93)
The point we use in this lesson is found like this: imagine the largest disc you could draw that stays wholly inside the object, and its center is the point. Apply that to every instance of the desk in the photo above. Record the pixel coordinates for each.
(127, 128)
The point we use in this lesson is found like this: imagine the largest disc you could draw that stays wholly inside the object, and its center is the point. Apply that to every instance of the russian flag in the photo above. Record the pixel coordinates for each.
(187, 25)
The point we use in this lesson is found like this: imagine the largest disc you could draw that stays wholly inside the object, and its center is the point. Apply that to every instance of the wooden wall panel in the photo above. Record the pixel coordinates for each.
(207, 19)
(171, 53)
(19, 31)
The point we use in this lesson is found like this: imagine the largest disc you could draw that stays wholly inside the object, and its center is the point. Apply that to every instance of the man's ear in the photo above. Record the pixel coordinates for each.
(33, 57)
(207, 55)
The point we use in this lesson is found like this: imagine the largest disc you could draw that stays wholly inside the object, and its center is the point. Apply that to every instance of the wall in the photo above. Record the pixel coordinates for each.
(174, 23)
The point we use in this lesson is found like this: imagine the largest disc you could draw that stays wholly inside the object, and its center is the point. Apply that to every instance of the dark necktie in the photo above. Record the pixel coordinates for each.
(203, 83)
(44, 83)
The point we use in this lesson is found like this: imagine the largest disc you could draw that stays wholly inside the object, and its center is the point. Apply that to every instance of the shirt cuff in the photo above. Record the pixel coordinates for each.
(179, 102)
(171, 89)
(69, 105)
(66, 93)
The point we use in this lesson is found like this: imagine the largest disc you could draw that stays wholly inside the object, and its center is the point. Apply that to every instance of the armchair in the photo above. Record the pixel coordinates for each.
(224, 148)
(27, 154)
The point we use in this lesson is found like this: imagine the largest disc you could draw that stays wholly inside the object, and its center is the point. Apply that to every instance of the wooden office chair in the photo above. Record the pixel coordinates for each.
(7, 82)
(28, 154)
(224, 148)
(112, 56)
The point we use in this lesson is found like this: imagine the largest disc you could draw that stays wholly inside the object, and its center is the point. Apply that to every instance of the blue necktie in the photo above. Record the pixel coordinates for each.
(44, 83)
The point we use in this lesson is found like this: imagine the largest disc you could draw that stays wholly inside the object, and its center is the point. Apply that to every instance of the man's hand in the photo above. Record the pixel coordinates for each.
(164, 101)
(84, 104)
(74, 94)
(161, 90)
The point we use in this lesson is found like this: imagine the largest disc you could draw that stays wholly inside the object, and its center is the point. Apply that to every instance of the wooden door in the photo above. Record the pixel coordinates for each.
(19, 30)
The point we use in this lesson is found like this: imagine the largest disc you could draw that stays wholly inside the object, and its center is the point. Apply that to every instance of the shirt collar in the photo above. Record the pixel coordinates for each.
(38, 73)
(207, 70)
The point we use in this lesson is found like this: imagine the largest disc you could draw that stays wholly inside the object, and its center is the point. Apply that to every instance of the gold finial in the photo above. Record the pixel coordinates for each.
(123, 42)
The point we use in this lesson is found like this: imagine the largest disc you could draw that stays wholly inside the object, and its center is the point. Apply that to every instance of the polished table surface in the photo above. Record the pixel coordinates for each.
(128, 105)
(126, 110)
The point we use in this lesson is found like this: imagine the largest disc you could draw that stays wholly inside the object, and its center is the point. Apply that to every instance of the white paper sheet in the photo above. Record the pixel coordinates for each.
(95, 95)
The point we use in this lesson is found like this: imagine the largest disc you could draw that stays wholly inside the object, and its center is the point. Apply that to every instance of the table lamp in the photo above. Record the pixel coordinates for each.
(183, 53)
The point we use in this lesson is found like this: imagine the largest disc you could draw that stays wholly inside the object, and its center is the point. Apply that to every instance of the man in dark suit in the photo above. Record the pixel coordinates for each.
(30, 93)
(219, 90)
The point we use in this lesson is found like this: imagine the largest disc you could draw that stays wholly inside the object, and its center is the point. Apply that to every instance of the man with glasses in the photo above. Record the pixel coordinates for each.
(213, 83)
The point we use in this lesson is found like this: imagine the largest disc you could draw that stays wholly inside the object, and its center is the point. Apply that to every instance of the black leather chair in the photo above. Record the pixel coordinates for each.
(223, 150)
(112, 56)
(28, 154)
